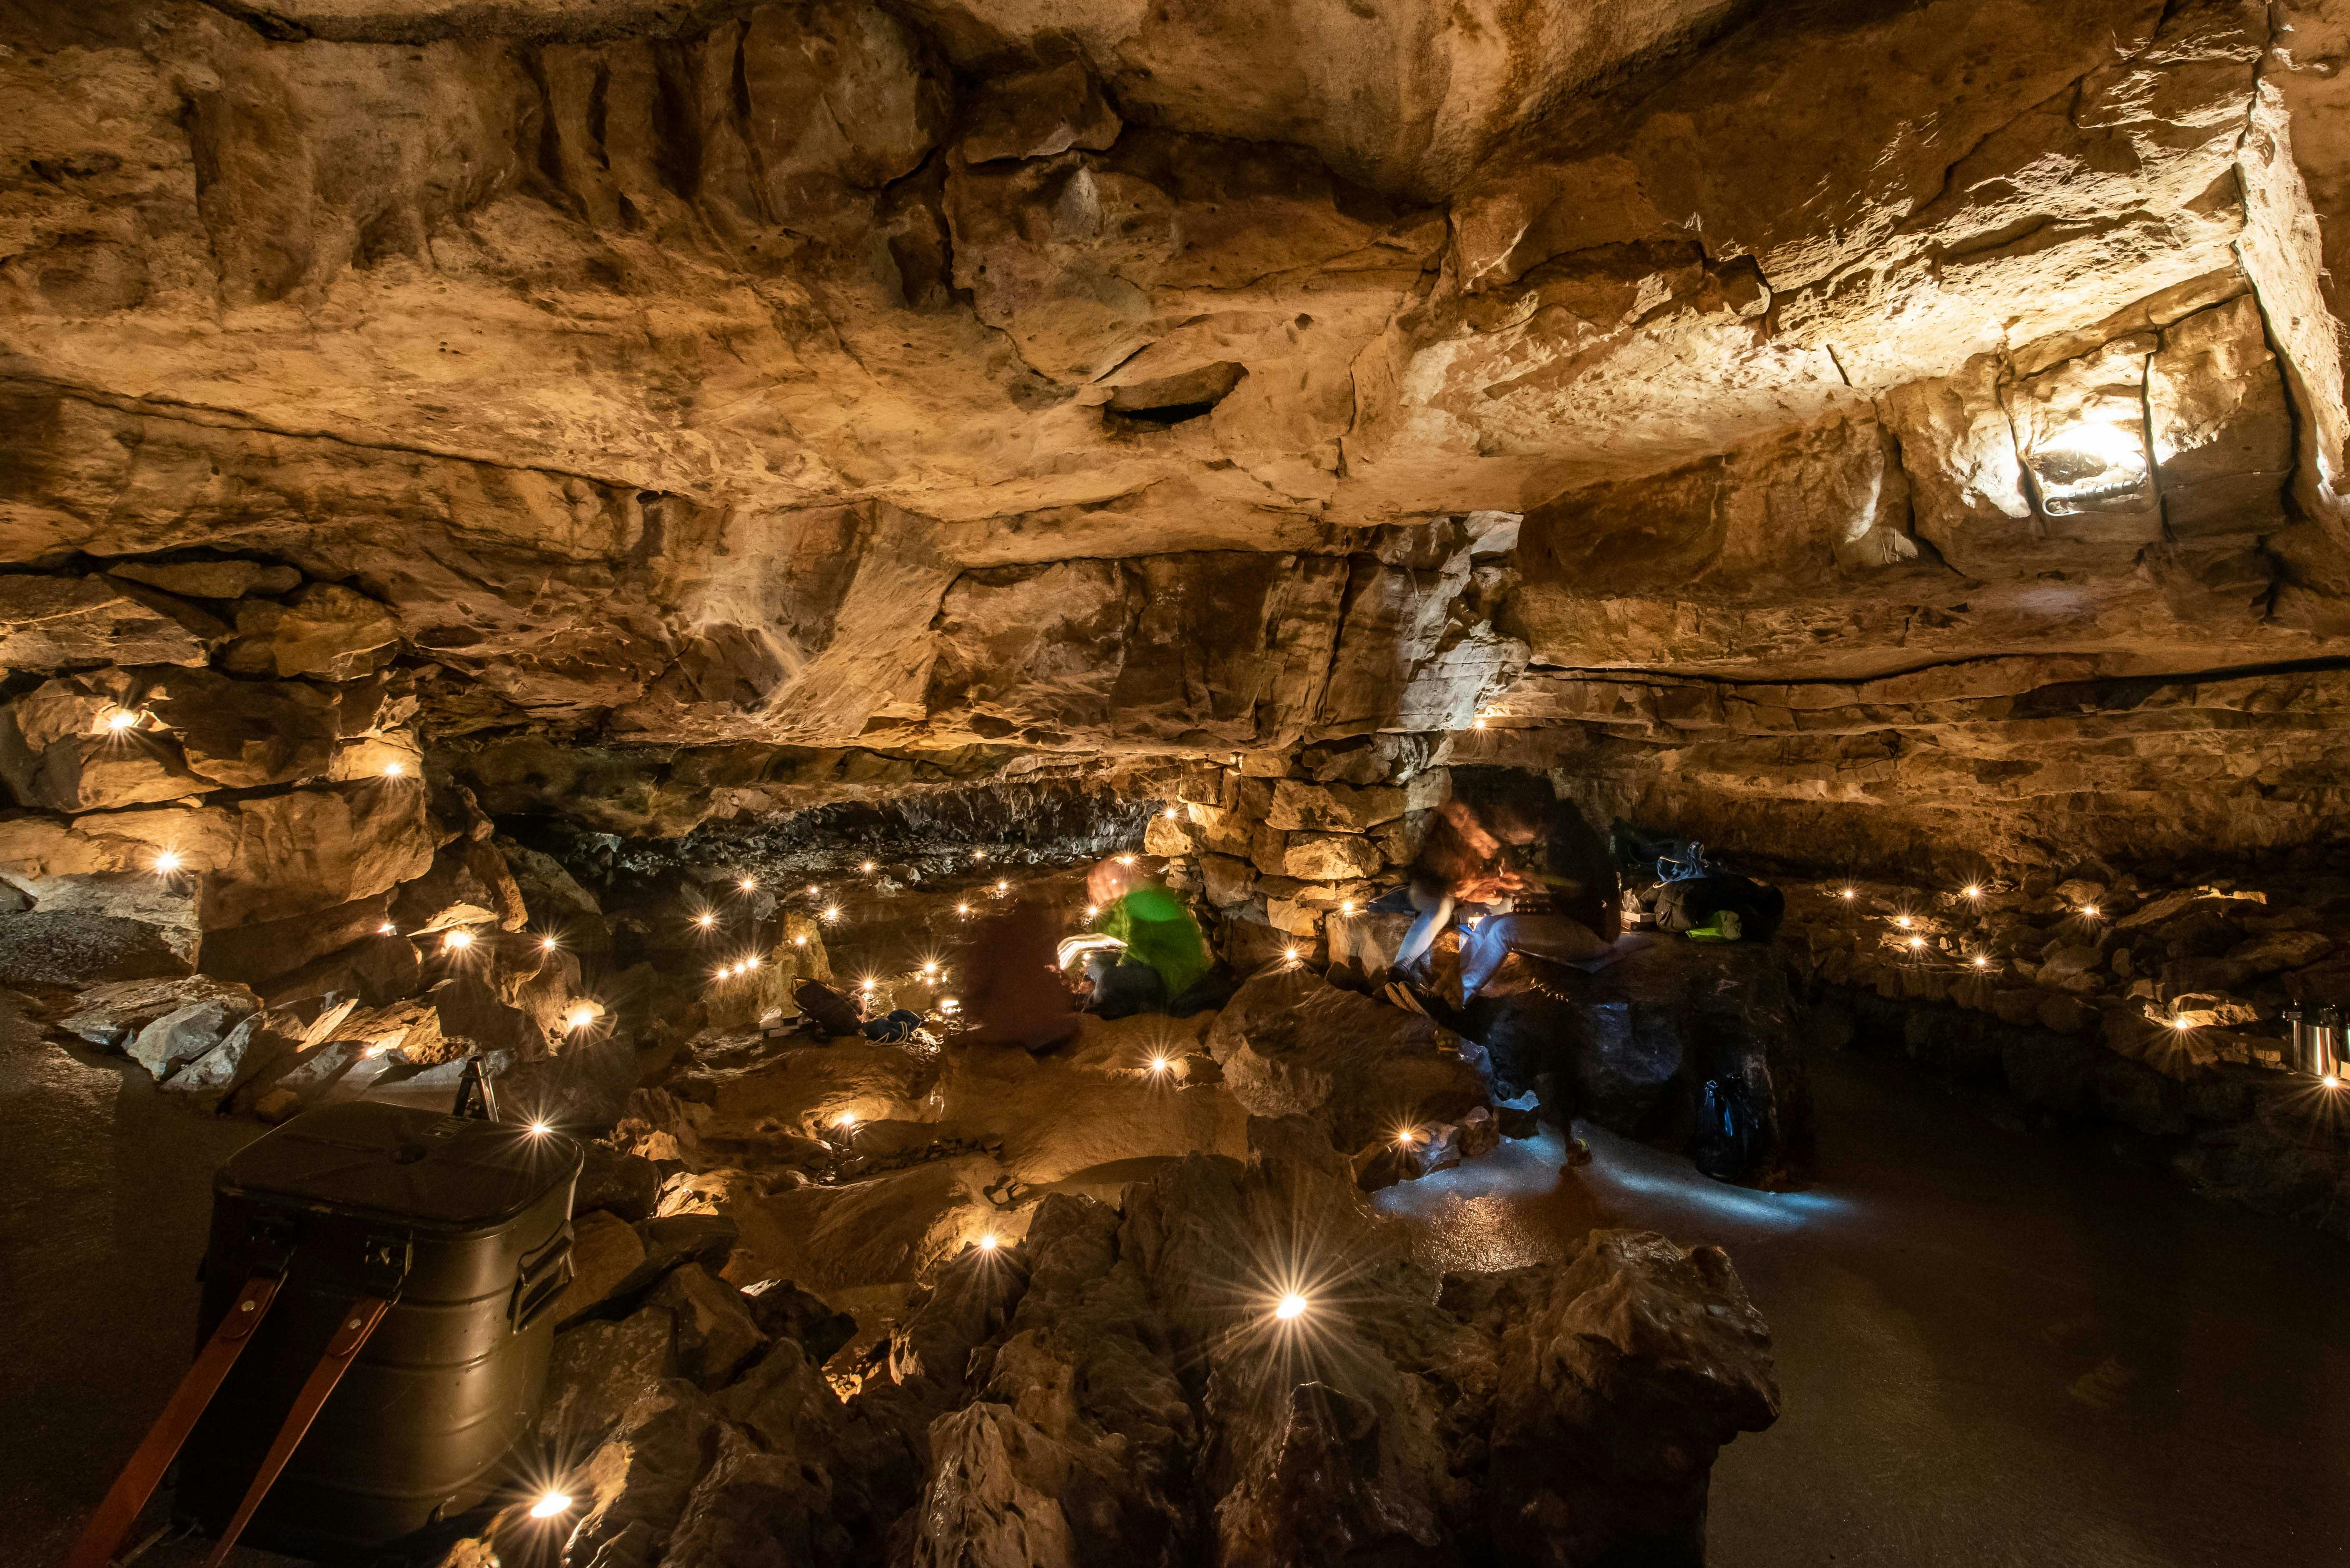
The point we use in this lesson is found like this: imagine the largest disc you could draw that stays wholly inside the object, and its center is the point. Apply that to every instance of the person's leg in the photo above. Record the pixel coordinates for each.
(1485, 948)
(1557, 939)
(1130, 989)
(1435, 909)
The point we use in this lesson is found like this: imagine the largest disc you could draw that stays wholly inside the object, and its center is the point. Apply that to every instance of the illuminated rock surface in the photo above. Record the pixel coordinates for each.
(530, 530)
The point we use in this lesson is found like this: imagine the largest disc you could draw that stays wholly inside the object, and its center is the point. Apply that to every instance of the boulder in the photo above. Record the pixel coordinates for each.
(715, 1337)
(113, 1014)
(188, 1032)
(609, 1179)
(599, 1369)
(605, 1250)
(1670, 1361)
(1291, 1045)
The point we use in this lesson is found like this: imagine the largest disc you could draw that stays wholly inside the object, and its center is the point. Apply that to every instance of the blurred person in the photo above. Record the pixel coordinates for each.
(1161, 963)
(1018, 996)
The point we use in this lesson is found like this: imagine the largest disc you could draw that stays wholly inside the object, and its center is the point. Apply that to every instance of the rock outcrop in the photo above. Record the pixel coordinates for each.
(1118, 1385)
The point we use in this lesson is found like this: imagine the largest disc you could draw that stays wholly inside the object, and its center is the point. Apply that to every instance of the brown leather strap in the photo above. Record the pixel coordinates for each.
(137, 1483)
(358, 1323)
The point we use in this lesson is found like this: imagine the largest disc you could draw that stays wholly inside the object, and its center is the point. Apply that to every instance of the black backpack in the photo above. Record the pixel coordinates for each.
(1693, 901)
(1723, 1145)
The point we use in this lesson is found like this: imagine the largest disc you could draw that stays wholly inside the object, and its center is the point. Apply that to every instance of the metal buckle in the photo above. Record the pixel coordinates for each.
(383, 1265)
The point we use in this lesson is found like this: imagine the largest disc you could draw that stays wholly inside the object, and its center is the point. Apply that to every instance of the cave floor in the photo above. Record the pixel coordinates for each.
(1993, 1348)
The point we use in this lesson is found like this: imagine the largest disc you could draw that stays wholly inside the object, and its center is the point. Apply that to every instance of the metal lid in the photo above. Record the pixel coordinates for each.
(417, 1165)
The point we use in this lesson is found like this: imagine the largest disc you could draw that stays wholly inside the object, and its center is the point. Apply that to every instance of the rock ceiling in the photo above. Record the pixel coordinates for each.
(1052, 379)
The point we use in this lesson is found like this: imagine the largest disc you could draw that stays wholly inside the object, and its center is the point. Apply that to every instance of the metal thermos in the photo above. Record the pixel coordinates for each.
(2324, 1057)
(2298, 1031)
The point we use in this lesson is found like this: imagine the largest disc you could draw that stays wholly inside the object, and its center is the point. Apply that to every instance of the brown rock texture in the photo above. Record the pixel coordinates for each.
(958, 385)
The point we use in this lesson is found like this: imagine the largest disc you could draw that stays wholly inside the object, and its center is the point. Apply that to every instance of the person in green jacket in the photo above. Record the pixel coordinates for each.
(1164, 957)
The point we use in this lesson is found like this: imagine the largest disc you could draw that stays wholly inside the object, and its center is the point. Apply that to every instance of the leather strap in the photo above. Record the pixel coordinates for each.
(129, 1494)
(358, 1323)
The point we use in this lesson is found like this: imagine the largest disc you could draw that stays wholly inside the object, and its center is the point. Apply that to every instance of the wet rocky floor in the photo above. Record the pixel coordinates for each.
(1993, 1348)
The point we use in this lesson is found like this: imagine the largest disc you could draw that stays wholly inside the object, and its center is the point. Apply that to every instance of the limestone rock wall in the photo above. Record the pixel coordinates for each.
(780, 401)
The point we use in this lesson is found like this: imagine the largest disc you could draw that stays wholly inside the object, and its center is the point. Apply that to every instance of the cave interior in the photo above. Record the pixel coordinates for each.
(965, 782)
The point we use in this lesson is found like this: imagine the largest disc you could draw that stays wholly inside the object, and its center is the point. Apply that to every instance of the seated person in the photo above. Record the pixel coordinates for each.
(1016, 996)
(1560, 879)
(1161, 962)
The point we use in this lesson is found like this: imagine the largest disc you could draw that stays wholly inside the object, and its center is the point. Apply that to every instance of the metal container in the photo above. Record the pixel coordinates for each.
(2324, 1057)
(2297, 1034)
(475, 1219)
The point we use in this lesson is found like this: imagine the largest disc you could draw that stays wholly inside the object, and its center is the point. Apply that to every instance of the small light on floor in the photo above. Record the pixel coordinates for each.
(387, 930)
(753, 961)
(867, 868)
(987, 1242)
(930, 970)
(979, 855)
(121, 720)
(845, 1119)
(1849, 895)
(394, 770)
(865, 984)
(748, 883)
(1158, 1064)
(1091, 910)
(547, 944)
(166, 863)
(1478, 725)
(2329, 1081)
(580, 1017)
(832, 911)
(718, 973)
(1971, 890)
(799, 941)
(962, 908)
(705, 919)
(1289, 1307)
(1345, 905)
(2090, 911)
(1125, 860)
(2178, 1020)
(1903, 921)
(1980, 961)
(1168, 813)
(457, 941)
(550, 1505)
(1916, 942)
(1289, 954)
(540, 1129)
(1002, 886)
(948, 1004)
(1406, 1139)
(815, 892)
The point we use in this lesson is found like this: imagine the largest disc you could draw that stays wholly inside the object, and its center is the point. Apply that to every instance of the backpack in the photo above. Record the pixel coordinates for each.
(1694, 901)
(1723, 1143)
(834, 1013)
